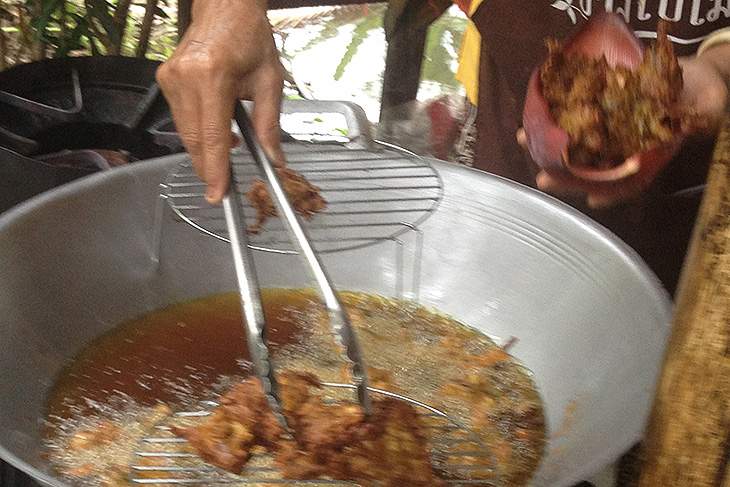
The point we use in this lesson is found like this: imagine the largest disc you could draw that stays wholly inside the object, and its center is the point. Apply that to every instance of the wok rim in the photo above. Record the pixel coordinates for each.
(645, 276)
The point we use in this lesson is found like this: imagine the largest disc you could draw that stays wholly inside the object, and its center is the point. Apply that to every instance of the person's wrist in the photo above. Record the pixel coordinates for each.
(235, 7)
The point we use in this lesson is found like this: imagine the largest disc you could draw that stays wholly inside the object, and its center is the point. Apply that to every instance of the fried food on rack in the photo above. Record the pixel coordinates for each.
(92, 451)
(243, 420)
(388, 449)
(101, 435)
(609, 113)
(233, 429)
(305, 197)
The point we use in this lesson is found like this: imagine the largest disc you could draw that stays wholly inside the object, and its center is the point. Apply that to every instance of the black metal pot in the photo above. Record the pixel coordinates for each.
(50, 107)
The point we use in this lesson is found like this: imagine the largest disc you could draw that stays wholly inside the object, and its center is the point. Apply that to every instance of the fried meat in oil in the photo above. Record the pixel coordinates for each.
(609, 113)
(305, 197)
(388, 449)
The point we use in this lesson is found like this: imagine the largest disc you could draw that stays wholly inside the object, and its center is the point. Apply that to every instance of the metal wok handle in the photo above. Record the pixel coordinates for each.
(358, 125)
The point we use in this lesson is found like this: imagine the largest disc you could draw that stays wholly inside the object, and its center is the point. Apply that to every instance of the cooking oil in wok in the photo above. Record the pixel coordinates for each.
(173, 353)
(191, 351)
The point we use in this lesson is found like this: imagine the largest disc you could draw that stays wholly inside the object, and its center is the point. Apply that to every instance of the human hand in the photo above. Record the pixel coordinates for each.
(705, 87)
(596, 196)
(705, 92)
(228, 53)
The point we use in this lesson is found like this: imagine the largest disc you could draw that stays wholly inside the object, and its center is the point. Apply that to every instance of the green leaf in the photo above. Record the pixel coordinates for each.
(41, 23)
(161, 13)
(361, 32)
(330, 31)
(346, 16)
(101, 11)
(437, 62)
(74, 40)
(94, 48)
(84, 31)
(72, 8)
(350, 52)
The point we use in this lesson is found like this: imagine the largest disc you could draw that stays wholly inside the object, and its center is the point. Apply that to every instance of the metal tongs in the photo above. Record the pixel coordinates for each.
(253, 311)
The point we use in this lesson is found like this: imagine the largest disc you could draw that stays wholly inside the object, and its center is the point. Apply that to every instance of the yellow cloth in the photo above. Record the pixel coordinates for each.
(471, 43)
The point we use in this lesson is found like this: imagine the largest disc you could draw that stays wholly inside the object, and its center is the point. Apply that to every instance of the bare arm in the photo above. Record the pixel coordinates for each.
(706, 79)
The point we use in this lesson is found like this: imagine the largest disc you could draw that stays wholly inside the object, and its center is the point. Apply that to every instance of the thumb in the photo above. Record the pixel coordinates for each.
(522, 138)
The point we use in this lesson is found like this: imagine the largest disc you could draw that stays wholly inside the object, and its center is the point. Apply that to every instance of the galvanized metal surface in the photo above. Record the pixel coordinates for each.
(590, 319)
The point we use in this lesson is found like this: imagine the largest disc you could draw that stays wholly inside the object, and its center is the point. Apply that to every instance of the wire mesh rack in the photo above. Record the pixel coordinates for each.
(460, 457)
(372, 195)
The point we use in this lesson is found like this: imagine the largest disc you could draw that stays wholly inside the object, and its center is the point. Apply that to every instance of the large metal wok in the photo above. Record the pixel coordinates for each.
(590, 318)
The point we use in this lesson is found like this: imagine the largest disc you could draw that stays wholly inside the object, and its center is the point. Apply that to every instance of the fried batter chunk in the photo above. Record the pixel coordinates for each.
(305, 197)
(609, 113)
(388, 449)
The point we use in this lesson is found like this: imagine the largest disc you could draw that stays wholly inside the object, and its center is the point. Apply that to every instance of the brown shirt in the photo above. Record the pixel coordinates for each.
(513, 33)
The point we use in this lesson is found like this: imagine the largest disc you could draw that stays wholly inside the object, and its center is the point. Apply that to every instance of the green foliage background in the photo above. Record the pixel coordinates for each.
(36, 29)
(442, 44)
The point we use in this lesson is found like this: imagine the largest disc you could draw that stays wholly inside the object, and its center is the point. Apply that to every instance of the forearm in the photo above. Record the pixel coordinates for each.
(719, 57)
(716, 51)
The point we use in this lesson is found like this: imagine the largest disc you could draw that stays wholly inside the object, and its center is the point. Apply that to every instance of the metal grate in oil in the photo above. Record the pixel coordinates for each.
(372, 195)
(457, 453)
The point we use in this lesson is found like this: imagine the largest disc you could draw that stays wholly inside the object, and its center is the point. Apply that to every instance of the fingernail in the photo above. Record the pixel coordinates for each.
(597, 202)
(213, 196)
(544, 182)
(276, 157)
(271, 154)
(521, 137)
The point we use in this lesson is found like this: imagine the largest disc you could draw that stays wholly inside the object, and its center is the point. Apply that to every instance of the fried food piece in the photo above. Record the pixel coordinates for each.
(227, 438)
(388, 449)
(379, 378)
(94, 451)
(103, 434)
(233, 429)
(609, 113)
(84, 470)
(305, 197)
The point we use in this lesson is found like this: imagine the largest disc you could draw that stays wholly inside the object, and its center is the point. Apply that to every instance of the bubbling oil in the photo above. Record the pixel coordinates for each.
(172, 354)
(182, 354)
